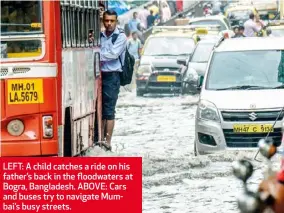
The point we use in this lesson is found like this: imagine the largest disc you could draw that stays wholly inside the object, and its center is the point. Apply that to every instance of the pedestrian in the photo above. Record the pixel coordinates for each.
(236, 31)
(251, 27)
(241, 31)
(258, 21)
(151, 19)
(166, 12)
(112, 54)
(142, 16)
(140, 32)
(132, 24)
(134, 46)
(155, 8)
(102, 10)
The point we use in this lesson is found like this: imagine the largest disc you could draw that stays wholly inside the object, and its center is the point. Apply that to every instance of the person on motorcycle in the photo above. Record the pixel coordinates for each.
(207, 10)
(251, 27)
(258, 21)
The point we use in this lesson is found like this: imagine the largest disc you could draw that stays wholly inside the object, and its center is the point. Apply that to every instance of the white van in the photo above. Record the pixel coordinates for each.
(242, 95)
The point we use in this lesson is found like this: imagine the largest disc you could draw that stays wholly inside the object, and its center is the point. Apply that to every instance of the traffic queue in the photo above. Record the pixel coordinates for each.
(168, 57)
(231, 67)
(234, 60)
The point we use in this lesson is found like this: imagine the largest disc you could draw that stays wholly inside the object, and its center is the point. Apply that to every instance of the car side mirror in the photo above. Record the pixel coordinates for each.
(181, 62)
(200, 82)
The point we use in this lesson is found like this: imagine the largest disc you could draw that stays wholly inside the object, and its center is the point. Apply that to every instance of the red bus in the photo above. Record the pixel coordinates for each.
(50, 77)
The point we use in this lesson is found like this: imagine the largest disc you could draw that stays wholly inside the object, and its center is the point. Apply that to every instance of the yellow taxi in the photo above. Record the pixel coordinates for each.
(206, 31)
(239, 14)
(277, 28)
(211, 20)
(158, 68)
(267, 9)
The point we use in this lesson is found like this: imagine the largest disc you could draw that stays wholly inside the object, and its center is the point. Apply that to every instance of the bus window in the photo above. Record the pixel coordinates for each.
(21, 17)
(78, 34)
(63, 27)
(97, 64)
(81, 27)
(73, 27)
(84, 32)
(97, 27)
(68, 26)
(21, 49)
(91, 25)
(87, 25)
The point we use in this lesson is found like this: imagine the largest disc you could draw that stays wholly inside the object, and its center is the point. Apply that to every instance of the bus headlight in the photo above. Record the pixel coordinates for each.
(15, 127)
(47, 125)
(207, 111)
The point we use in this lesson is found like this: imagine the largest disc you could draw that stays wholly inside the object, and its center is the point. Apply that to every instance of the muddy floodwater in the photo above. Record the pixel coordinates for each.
(161, 130)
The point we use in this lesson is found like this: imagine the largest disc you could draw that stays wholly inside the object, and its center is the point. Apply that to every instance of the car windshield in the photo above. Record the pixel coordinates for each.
(210, 22)
(239, 14)
(277, 33)
(21, 17)
(202, 52)
(250, 69)
(174, 46)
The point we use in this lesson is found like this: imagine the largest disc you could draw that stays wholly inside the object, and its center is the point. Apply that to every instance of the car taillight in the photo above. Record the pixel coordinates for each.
(226, 35)
(47, 126)
(15, 127)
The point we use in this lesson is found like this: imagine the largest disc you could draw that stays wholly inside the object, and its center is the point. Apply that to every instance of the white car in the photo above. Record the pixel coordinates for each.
(212, 20)
(242, 95)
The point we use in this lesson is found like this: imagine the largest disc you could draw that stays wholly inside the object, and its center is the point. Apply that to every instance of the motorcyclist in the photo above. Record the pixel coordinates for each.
(251, 27)
(207, 10)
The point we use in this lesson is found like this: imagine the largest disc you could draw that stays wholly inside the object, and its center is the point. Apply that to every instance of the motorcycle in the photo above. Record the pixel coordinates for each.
(270, 194)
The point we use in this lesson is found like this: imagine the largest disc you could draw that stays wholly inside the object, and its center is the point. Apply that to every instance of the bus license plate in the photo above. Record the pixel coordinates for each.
(166, 78)
(25, 91)
(253, 128)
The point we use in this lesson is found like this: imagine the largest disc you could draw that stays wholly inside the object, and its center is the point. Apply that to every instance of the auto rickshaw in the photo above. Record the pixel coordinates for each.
(238, 15)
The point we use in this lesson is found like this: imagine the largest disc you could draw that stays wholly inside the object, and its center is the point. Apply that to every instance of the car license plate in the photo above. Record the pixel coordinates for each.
(25, 91)
(166, 78)
(253, 128)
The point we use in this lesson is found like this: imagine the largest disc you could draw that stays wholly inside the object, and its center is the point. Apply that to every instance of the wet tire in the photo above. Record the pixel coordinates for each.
(195, 150)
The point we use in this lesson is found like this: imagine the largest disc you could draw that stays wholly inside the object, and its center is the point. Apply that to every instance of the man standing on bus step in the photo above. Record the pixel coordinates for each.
(112, 56)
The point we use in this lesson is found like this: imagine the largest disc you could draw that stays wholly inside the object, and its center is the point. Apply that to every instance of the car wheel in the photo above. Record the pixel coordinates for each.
(183, 91)
(139, 93)
(195, 150)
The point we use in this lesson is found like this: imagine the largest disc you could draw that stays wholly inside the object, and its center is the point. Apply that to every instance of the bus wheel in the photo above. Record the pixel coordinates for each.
(67, 133)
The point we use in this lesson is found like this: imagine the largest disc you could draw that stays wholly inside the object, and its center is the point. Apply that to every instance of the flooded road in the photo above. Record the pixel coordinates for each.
(161, 130)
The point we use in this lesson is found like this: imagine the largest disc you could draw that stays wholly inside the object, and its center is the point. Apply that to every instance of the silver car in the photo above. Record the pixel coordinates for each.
(197, 64)
(241, 99)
